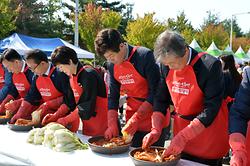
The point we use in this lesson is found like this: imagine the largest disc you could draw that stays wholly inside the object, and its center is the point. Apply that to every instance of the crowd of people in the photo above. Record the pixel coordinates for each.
(211, 99)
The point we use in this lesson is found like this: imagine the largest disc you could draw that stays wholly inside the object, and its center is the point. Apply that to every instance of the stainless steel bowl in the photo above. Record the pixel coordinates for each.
(149, 163)
(106, 150)
(4, 120)
(20, 128)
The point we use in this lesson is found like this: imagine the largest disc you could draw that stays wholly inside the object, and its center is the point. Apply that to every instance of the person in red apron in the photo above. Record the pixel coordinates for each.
(8, 91)
(89, 91)
(133, 71)
(22, 78)
(239, 124)
(194, 84)
(1, 76)
(232, 80)
(48, 88)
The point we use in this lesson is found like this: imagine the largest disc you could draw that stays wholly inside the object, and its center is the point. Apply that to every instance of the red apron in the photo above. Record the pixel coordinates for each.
(46, 87)
(136, 88)
(188, 98)
(248, 144)
(21, 83)
(97, 125)
(1, 76)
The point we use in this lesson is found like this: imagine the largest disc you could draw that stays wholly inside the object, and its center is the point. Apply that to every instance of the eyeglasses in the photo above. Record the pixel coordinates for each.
(33, 69)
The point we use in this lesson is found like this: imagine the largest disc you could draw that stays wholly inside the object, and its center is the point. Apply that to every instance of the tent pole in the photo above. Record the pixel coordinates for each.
(76, 23)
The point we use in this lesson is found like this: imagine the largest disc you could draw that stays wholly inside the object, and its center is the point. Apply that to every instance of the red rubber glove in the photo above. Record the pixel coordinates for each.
(157, 124)
(132, 125)
(179, 141)
(2, 106)
(50, 106)
(71, 121)
(238, 144)
(112, 130)
(62, 111)
(23, 112)
(13, 106)
(55, 103)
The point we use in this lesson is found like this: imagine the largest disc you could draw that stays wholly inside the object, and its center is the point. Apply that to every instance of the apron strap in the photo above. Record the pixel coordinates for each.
(132, 52)
(186, 117)
(51, 70)
(79, 71)
(137, 98)
(25, 69)
(196, 58)
(229, 99)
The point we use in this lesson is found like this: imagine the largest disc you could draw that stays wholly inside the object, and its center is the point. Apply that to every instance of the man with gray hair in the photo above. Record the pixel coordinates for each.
(194, 84)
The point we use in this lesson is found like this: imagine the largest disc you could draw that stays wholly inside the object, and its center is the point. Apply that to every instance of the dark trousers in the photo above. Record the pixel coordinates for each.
(139, 135)
(212, 162)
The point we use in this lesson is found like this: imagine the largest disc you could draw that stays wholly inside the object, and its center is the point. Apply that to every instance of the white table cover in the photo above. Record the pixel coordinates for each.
(14, 150)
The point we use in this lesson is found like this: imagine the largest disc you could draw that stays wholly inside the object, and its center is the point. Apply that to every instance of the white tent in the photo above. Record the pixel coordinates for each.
(22, 43)
(213, 50)
(248, 53)
(241, 54)
(229, 51)
(194, 44)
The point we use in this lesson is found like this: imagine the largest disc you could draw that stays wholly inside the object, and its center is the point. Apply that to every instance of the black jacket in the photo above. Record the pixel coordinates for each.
(210, 80)
(240, 110)
(93, 85)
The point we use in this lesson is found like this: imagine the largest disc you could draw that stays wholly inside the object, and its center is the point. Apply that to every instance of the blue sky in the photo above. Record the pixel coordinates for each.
(195, 10)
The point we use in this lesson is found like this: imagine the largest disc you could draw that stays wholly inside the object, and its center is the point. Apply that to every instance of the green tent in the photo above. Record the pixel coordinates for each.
(195, 46)
(248, 53)
(228, 50)
(240, 53)
(213, 50)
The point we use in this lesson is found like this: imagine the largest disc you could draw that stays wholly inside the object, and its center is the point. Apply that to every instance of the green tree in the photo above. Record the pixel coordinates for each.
(179, 24)
(248, 34)
(182, 25)
(144, 31)
(7, 18)
(212, 19)
(188, 35)
(241, 41)
(116, 6)
(211, 30)
(211, 33)
(39, 18)
(125, 10)
(92, 20)
(236, 28)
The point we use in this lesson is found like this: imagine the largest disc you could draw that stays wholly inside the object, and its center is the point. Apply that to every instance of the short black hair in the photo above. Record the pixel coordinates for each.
(108, 40)
(10, 55)
(37, 55)
(63, 55)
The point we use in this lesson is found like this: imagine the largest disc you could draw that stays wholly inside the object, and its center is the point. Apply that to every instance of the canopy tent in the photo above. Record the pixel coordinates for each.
(22, 43)
(241, 54)
(229, 51)
(213, 50)
(248, 53)
(194, 44)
